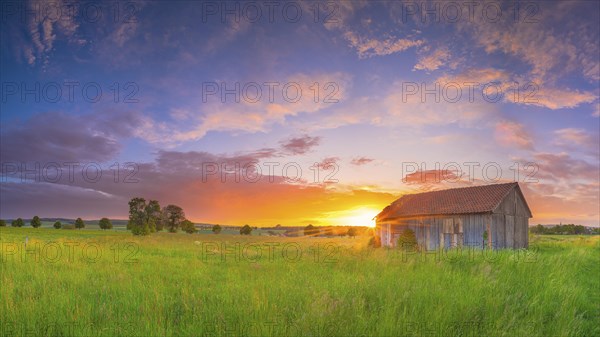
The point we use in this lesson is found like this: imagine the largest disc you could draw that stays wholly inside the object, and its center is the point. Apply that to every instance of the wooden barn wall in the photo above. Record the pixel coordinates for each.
(522, 210)
(511, 222)
(498, 230)
(429, 230)
(521, 232)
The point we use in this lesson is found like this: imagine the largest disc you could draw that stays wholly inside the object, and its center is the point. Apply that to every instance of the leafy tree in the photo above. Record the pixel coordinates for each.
(310, 230)
(407, 239)
(161, 222)
(539, 229)
(144, 218)
(216, 229)
(351, 232)
(153, 215)
(105, 223)
(17, 223)
(57, 225)
(188, 227)
(246, 230)
(2, 223)
(35, 222)
(79, 224)
(174, 216)
(137, 217)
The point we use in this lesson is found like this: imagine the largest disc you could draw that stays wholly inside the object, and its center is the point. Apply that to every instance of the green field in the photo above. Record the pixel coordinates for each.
(109, 283)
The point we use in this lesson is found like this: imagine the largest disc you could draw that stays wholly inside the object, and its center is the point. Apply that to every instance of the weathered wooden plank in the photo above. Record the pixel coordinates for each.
(510, 231)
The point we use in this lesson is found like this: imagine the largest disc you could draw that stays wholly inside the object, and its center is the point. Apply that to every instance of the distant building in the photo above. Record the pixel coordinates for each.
(459, 217)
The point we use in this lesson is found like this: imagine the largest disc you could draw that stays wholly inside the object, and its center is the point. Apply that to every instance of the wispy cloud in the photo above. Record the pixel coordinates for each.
(433, 60)
(368, 47)
(300, 145)
(510, 133)
(359, 161)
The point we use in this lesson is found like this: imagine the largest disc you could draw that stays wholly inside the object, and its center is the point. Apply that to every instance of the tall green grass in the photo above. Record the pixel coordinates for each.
(230, 285)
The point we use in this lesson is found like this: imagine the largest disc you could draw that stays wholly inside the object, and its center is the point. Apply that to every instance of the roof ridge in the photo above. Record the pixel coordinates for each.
(466, 187)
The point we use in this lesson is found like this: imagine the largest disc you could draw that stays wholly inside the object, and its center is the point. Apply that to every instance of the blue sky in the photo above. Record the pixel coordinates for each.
(161, 57)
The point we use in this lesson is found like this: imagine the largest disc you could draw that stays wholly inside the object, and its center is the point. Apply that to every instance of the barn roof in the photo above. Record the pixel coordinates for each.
(474, 199)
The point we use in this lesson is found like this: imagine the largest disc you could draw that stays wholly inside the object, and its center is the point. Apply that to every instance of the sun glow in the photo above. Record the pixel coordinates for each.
(356, 217)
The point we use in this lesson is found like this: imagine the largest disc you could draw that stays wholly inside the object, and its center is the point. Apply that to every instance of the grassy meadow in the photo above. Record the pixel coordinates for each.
(110, 283)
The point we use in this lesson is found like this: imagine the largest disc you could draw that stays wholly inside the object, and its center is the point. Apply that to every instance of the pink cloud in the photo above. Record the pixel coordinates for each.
(300, 145)
(361, 161)
(510, 133)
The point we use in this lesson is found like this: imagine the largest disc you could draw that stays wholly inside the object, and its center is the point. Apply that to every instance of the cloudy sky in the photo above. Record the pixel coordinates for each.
(296, 112)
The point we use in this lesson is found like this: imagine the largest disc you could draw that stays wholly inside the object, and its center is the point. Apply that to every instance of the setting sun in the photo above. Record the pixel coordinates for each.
(362, 216)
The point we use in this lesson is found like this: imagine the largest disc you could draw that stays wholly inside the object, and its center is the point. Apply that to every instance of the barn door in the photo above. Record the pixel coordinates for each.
(458, 239)
(452, 234)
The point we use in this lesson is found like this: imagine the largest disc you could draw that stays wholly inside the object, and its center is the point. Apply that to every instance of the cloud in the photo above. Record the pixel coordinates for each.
(417, 109)
(552, 203)
(124, 32)
(430, 176)
(476, 75)
(233, 29)
(434, 60)
(510, 133)
(563, 167)
(249, 115)
(328, 163)
(59, 137)
(578, 140)
(574, 136)
(43, 25)
(528, 93)
(368, 47)
(56, 200)
(300, 145)
(535, 43)
(553, 98)
(359, 161)
(446, 139)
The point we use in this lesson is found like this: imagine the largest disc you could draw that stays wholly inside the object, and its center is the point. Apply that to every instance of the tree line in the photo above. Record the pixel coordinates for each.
(569, 229)
(147, 217)
(351, 231)
(104, 223)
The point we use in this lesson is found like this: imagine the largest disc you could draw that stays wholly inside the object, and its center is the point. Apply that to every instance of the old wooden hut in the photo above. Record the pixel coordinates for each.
(459, 217)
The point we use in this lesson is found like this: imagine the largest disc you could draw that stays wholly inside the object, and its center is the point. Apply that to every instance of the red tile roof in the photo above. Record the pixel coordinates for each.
(475, 199)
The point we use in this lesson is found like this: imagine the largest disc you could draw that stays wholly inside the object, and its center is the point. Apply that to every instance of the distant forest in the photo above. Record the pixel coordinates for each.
(569, 229)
